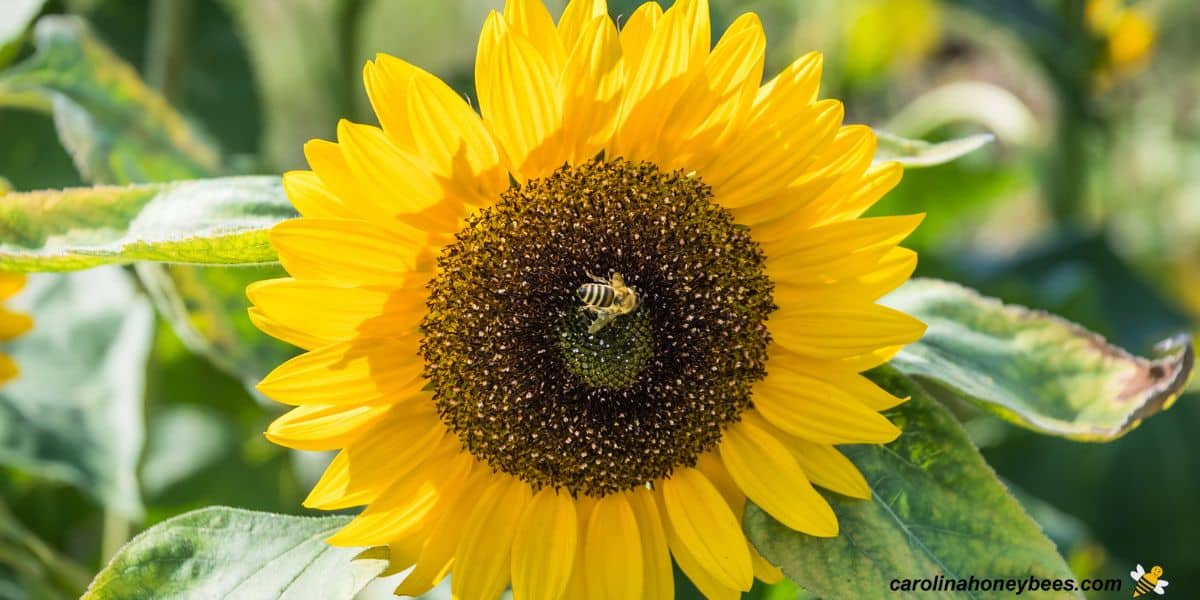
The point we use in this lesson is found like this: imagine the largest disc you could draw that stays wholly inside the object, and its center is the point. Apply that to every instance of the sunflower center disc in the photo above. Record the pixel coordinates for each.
(525, 386)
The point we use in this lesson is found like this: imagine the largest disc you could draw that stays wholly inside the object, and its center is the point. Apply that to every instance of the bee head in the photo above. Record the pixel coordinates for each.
(1156, 570)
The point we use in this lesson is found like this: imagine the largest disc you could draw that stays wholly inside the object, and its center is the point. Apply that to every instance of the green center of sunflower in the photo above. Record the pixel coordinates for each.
(597, 328)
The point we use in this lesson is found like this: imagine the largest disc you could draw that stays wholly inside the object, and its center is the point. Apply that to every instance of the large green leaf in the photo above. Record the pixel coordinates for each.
(121, 131)
(116, 128)
(915, 154)
(14, 19)
(207, 221)
(75, 412)
(230, 553)
(1033, 368)
(936, 509)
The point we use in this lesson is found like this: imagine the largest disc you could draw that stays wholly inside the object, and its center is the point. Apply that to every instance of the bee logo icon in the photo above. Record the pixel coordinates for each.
(1148, 581)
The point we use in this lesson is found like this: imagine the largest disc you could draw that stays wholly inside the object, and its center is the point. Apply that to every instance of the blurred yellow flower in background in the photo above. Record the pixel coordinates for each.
(884, 34)
(1128, 35)
(12, 324)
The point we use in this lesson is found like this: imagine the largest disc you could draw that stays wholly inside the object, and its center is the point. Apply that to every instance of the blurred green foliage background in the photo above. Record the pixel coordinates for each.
(1088, 206)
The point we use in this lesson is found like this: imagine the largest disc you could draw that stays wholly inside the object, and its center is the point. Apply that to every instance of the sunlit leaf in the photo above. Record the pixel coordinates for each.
(75, 412)
(237, 554)
(212, 221)
(207, 309)
(116, 128)
(936, 509)
(1035, 369)
(915, 154)
(14, 20)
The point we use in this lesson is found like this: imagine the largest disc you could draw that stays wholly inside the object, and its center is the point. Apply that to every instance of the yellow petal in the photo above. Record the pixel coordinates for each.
(405, 508)
(437, 552)
(796, 85)
(816, 410)
(718, 100)
(614, 549)
(520, 102)
(545, 546)
(10, 284)
(339, 313)
(336, 179)
(482, 561)
(861, 283)
(714, 470)
(710, 586)
(322, 426)
(13, 324)
(832, 333)
(764, 570)
(529, 18)
(391, 448)
(828, 468)
(635, 35)
(430, 122)
(837, 375)
(705, 527)
(592, 85)
(372, 370)
(832, 175)
(353, 251)
(278, 331)
(400, 187)
(764, 469)
(577, 586)
(8, 368)
(576, 17)
(658, 582)
(766, 155)
(312, 198)
(878, 180)
(674, 53)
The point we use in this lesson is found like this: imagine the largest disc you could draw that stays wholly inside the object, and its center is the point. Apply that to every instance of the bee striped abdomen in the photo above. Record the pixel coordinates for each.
(596, 294)
(1143, 587)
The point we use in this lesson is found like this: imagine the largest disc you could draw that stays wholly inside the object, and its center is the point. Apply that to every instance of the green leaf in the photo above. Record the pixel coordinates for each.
(116, 128)
(1035, 369)
(209, 221)
(39, 570)
(75, 412)
(936, 509)
(14, 20)
(914, 154)
(206, 308)
(231, 553)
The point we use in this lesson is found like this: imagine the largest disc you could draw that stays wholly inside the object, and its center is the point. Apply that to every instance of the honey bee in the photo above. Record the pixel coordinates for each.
(1148, 581)
(607, 299)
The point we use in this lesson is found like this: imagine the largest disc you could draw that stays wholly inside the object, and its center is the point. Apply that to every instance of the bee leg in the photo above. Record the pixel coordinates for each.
(596, 278)
(601, 322)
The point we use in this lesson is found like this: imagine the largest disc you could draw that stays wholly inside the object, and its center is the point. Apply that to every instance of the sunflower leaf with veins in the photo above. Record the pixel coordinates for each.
(936, 508)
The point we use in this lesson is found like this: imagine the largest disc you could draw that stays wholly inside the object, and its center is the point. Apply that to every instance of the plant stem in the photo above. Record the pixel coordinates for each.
(166, 45)
(115, 533)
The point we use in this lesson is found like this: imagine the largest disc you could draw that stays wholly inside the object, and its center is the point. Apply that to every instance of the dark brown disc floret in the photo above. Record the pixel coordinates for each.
(525, 386)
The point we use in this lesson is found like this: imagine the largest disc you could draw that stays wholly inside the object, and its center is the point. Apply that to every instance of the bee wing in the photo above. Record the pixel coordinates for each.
(1158, 587)
(1137, 573)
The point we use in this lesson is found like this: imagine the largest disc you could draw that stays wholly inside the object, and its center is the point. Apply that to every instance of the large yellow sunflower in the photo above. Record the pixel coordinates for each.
(12, 324)
(560, 342)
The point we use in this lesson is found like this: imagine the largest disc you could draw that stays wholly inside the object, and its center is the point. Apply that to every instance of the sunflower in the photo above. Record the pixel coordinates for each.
(12, 324)
(561, 341)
